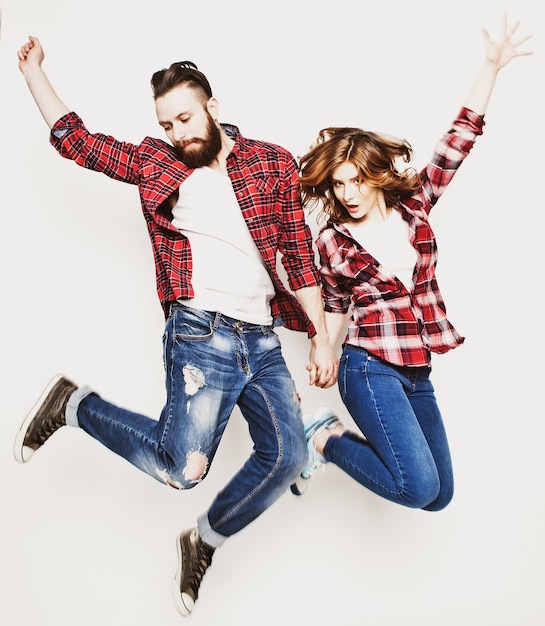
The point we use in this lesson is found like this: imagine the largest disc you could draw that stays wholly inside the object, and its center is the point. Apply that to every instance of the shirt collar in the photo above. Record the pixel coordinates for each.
(234, 133)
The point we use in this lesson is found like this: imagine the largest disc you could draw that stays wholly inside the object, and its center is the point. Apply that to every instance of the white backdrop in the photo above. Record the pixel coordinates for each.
(85, 538)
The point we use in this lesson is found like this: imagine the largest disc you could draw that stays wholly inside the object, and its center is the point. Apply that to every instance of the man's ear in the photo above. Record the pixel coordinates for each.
(212, 106)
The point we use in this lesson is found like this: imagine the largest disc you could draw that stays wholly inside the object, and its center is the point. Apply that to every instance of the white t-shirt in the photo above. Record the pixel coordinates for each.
(229, 274)
(388, 242)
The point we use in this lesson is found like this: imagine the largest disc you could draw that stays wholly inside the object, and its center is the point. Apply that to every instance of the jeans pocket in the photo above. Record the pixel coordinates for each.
(193, 333)
(192, 325)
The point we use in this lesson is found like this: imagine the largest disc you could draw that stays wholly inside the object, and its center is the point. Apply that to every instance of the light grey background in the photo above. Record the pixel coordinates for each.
(85, 538)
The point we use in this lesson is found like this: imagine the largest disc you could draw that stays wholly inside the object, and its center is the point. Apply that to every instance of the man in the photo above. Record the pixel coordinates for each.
(218, 208)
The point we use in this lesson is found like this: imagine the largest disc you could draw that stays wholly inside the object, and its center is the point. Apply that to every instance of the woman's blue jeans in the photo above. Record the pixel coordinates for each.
(404, 454)
(212, 363)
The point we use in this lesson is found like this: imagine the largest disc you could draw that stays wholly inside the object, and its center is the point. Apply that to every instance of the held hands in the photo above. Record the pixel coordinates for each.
(500, 52)
(324, 365)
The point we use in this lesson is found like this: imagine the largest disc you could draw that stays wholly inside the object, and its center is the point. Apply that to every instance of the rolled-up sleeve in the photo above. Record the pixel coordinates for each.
(449, 153)
(295, 242)
(94, 151)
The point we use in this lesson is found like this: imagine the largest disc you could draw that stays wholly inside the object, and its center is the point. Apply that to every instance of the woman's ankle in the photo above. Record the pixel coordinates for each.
(321, 438)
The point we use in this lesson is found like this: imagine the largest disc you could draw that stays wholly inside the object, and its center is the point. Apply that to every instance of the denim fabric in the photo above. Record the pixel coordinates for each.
(212, 363)
(404, 455)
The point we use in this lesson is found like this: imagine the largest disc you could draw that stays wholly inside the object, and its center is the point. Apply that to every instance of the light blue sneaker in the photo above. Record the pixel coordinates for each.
(324, 418)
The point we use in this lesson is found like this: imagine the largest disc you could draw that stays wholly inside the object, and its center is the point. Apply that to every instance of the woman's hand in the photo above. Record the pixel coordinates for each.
(506, 48)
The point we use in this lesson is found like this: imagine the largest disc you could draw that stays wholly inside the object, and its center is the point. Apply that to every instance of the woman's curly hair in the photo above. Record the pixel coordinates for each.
(373, 154)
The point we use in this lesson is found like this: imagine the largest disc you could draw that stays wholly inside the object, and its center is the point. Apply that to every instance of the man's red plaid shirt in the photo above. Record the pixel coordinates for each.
(265, 180)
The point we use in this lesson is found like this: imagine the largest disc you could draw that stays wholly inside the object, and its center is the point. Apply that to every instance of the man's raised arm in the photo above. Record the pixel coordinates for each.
(31, 56)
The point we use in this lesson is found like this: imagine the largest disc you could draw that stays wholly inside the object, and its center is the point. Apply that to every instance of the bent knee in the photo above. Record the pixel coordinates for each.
(443, 499)
(420, 494)
(290, 460)
(297, 459)
(191, 474)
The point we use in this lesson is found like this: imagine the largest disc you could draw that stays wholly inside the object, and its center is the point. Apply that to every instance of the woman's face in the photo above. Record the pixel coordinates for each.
(358, 198)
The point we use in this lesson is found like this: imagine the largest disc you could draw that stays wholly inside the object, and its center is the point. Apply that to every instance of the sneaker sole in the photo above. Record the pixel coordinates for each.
(18, 447)
(180, 598)
(299, 487)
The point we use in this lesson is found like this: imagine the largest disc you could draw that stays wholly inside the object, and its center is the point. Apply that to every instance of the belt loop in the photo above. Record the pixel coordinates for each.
(217, 320)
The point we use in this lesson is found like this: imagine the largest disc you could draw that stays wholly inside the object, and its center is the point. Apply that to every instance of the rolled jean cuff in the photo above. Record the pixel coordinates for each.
(73, 404)
(207, 533)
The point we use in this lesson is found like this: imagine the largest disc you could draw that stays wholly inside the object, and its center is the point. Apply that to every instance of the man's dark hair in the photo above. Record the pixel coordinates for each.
(181, 73)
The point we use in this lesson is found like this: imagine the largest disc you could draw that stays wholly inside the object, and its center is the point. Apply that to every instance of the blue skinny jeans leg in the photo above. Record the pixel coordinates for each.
(404, 455)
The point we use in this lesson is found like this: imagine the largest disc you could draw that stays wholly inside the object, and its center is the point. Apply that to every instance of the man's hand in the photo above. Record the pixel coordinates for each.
(31, 54)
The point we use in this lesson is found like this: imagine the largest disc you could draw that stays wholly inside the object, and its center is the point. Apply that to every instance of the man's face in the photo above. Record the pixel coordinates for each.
(189, 126)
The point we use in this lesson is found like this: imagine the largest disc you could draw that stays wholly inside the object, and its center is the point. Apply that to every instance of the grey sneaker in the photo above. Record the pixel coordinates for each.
(194, 558)
(45, 417)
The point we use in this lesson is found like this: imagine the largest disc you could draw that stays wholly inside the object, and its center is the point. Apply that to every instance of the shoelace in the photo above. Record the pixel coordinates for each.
(199, 565)
(45, 430)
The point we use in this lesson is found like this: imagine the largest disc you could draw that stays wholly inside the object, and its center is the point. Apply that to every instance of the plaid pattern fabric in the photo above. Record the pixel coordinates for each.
(399, 327)
(265, 180)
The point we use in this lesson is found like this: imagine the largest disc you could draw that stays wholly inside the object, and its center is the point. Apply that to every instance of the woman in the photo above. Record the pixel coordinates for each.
(378, 256)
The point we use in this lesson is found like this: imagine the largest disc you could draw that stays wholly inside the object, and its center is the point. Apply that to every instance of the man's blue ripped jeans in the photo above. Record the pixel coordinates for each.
(405, 455)
(212, 363)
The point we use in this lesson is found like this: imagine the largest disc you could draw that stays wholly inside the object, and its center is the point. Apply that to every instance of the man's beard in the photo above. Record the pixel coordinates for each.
(201, 151)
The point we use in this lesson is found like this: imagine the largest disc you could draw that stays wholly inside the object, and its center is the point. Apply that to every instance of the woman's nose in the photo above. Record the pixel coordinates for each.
(349, 191)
